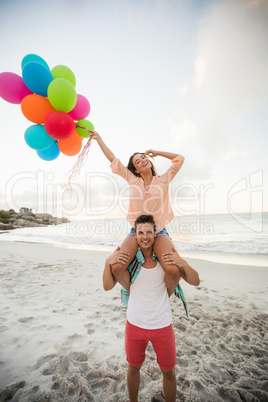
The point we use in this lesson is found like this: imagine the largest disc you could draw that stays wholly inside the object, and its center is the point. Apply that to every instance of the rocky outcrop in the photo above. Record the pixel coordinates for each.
(6, 226)
(12, 220)
(27, 217)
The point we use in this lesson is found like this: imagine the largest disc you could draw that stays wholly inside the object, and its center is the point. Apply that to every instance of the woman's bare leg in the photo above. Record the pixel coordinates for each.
(120, 271)
(163, 244)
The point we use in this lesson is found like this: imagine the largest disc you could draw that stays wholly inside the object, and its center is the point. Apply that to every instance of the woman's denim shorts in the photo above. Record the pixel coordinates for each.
(162, 232)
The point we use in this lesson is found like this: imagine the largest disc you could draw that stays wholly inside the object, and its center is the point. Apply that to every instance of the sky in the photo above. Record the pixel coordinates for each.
(184, 76)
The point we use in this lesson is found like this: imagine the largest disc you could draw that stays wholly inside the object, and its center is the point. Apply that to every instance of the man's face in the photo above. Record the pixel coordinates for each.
(145, 235)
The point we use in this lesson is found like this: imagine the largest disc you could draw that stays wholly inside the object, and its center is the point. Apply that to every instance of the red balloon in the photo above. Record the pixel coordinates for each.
(59, 125)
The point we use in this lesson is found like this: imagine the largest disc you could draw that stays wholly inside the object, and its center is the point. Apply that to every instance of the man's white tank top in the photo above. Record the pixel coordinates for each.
(148, 305)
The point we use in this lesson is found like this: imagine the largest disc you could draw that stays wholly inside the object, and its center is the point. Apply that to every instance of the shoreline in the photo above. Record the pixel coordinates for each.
(259, 260)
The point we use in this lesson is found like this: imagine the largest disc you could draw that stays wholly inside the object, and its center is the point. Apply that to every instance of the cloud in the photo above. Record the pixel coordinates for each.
(187, 132)
(200, 70)
(183, 90)
(254, 3)
(231, 67)
(186, 139)
(234, 152)
(230, 80)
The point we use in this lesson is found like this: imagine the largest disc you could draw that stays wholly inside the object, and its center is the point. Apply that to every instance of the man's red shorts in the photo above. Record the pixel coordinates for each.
(162, 339)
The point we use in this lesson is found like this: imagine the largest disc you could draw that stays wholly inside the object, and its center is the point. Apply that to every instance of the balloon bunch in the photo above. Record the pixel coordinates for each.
(48, 98)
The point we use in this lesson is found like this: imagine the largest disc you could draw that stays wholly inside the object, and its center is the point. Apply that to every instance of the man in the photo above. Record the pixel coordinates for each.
(148, 311)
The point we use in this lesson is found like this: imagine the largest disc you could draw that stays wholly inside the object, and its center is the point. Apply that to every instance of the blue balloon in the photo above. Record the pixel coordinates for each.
(50, 153)
(37, 137)
(37, 77)
(33, 57)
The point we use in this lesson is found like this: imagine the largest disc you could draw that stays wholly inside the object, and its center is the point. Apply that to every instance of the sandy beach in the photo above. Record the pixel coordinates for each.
(62, 336)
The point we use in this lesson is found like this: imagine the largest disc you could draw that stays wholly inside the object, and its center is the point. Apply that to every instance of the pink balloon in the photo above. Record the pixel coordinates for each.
(81, 109)
(12, 88)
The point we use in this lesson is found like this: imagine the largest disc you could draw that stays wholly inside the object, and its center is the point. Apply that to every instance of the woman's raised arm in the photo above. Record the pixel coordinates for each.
(107, 152)
(169, 155)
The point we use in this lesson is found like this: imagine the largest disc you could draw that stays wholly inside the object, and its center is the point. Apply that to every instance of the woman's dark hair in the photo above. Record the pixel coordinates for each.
(132, 168)
(145, 219)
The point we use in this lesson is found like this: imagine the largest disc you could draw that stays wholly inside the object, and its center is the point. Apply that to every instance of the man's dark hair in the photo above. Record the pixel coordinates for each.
(145, 219)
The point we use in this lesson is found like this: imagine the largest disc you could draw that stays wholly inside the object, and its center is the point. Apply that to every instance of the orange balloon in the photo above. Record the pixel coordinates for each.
(36, 108)
(71, 145)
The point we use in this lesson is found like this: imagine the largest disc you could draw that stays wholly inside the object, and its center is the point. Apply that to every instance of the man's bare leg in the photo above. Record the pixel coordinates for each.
(133, 382)
(169, 385)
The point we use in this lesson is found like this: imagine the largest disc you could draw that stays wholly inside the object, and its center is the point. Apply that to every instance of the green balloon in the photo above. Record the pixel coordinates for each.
(85, 123)
(63, 72)
(62, 95)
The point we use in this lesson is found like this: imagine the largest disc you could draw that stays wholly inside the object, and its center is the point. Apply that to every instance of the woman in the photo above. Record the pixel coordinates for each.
(148, 195)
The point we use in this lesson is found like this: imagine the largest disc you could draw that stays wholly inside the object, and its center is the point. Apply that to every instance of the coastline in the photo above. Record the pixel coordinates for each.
(229, 241)
(62, 336)
(212, 256)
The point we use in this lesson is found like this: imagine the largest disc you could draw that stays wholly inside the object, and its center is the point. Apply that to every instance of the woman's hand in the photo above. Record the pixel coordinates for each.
(118, 256)
(169, 155)
(94, 134)
(151, 152)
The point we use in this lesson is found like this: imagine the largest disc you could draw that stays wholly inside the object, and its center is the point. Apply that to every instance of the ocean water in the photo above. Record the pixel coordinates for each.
(238, 239)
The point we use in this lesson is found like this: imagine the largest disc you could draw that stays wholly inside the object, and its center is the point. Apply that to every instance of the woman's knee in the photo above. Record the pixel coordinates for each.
(118, 268)
(130, 247)
(162, 245)
(171, 271)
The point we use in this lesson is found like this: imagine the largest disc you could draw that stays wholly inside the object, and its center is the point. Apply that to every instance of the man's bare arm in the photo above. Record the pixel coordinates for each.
(188, 273)
(108, 278)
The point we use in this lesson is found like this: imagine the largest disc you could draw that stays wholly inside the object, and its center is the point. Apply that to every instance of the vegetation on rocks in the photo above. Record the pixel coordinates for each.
(26, 218)
(6, 215)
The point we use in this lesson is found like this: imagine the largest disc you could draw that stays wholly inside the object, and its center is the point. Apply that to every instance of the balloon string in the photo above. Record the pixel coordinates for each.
(79, 162)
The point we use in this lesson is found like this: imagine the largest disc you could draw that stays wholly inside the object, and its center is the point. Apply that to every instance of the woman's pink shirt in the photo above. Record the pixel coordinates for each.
(155, 200)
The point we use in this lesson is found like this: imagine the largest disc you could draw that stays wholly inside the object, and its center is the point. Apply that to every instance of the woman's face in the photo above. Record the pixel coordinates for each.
(141, 163)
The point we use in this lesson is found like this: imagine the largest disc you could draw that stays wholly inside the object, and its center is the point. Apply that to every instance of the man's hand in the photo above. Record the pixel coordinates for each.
(173, 258)
(188, 273)
(118, 256)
